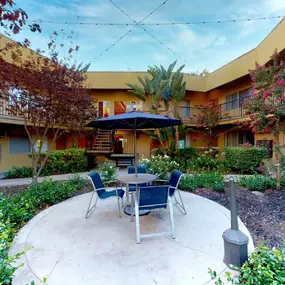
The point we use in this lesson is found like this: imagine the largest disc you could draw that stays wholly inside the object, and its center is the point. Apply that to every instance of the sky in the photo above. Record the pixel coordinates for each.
(199, 46)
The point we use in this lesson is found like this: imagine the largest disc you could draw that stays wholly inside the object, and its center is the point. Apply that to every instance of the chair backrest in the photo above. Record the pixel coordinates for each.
(141, 169)
(153, 197)
(97, 182)
(174, 181)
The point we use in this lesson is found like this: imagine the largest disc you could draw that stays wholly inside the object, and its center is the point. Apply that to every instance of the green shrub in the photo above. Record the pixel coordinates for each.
(70, 160)
(209, 164)
(108, 172)
(213, 181)
(211, 152)
(258, 182)
(19, 172)
(7, 266)
(160, 165)
(159, 151)
(265, 266)
(188, 153)
(244, 159)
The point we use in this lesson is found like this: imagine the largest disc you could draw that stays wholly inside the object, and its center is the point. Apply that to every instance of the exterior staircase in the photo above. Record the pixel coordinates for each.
(103, 142)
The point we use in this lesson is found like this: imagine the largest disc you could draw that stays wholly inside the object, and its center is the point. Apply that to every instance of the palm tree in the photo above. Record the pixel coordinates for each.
(164, 86)
(150, 92)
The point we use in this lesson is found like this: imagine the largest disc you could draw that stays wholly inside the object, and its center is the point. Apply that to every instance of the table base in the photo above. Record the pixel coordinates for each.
(129, 211)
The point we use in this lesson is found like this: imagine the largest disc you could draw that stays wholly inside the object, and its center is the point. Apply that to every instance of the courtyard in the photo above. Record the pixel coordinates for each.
(66, 248)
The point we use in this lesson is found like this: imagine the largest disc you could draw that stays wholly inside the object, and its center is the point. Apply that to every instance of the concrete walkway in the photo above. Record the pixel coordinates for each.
(63, 177)
(60, 177)
(68, 249)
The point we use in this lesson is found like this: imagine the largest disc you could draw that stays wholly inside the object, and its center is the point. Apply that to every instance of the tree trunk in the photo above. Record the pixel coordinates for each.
(159, 137)
(277, 158)
(176, 138)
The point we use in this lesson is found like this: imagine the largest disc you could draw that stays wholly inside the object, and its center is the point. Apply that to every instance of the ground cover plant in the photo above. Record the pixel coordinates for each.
(16, 210)
(213, 181)
(265, 266)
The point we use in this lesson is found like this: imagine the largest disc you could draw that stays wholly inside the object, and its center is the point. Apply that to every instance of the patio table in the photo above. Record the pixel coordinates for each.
(140, 178)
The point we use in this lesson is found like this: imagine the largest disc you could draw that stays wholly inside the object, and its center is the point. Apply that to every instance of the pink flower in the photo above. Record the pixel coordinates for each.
(266, 94)
(281, 82)
(251, 116)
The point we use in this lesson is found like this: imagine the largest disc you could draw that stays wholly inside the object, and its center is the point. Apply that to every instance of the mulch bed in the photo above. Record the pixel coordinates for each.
(262, 213)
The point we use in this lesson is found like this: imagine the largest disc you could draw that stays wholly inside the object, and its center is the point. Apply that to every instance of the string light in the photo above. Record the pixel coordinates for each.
(129, 31)
(230, 21)
(149, 33)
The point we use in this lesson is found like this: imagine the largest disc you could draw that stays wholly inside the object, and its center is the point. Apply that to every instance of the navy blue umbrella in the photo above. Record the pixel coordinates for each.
(135, 120)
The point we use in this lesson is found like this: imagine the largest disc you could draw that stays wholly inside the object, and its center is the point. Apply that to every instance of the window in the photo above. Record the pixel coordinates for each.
(238, 138)
(246, 93)
(231, 139)
(104, 109)
(120, 107)
(134, 106)
(232, 102)
(185, 110)
(44, 145)
(19, 144)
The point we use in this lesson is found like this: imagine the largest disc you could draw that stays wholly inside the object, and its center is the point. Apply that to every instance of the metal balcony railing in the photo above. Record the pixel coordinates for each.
(229, 110)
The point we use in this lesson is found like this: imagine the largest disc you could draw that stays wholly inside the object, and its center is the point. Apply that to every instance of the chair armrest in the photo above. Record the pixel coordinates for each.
(98, 189)
(110, 181)
(160, 180)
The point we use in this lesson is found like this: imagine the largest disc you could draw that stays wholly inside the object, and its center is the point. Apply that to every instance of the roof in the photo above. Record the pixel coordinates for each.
(235, 69)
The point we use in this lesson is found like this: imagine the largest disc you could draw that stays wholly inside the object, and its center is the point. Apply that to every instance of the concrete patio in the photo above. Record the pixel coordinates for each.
(67, 249)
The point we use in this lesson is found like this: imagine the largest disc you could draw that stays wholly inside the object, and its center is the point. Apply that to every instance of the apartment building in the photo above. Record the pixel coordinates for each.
(228, 87)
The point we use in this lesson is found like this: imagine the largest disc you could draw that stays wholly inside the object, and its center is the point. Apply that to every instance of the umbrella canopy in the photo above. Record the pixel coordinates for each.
(134, 120)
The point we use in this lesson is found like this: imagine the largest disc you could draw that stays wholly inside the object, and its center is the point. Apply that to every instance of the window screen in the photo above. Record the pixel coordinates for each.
(185, 108)
(244, 94)
(19, 144)
(232, 102)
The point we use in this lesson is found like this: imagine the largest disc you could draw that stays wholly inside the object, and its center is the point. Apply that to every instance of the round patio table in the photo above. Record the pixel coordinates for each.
(140, 178)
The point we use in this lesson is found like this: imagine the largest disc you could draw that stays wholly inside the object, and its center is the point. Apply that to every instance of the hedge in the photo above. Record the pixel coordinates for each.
(70, 160)
(244, 159)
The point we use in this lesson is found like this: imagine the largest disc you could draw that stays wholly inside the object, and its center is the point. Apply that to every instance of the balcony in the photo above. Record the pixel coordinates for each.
(229, 111)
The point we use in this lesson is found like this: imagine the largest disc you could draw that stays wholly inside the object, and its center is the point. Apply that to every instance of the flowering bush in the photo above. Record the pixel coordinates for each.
(209, 116)
(108, 172)
(160, 165)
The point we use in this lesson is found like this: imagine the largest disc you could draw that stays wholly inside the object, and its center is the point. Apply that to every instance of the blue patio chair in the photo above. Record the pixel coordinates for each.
(101, 192)
(173, 184)
(131, 170)
(151, 198)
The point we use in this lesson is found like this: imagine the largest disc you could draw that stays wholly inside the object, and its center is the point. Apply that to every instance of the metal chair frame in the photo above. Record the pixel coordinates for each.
(168, 204)
(95, 191)
(180, 203)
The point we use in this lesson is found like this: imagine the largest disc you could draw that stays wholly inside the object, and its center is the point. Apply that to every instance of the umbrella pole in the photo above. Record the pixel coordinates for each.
(135, 152)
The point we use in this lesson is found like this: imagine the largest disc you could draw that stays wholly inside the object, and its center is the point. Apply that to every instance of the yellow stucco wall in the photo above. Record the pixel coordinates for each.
(7, 160)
